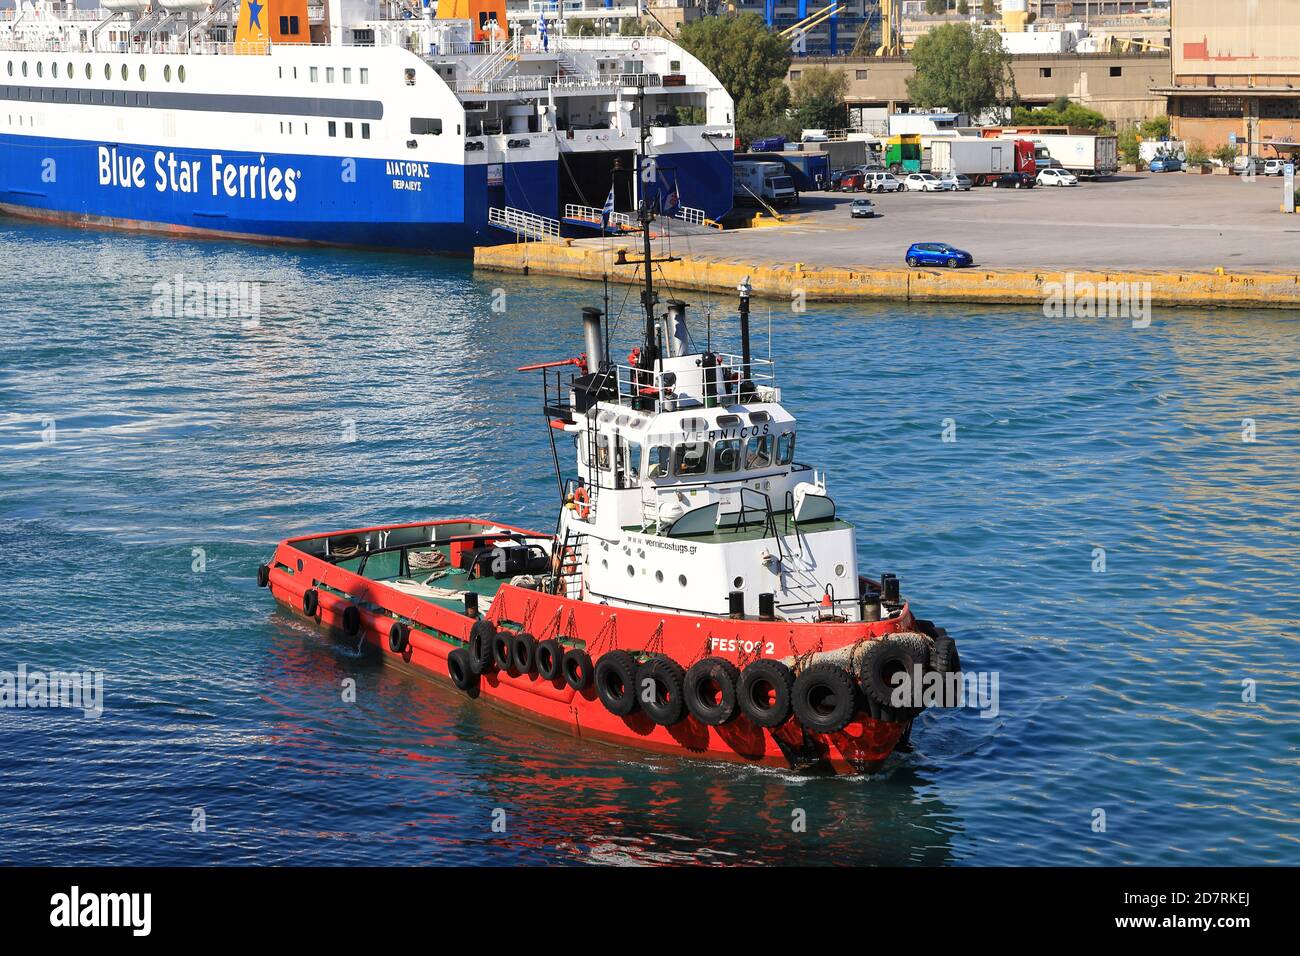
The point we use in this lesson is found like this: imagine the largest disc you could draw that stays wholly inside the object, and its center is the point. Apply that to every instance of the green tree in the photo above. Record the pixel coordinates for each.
(962, 68)
(818, 98)
(1063, 112)
(751, 63)
(1225, 154)
(936, 7)
(1128, 145)
(963, 8)
(988, 8)
(1157, 128)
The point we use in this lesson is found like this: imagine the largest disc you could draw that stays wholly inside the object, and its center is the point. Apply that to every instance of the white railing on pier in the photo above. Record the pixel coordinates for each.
(691, 216)
(588, 214)
(529, 225)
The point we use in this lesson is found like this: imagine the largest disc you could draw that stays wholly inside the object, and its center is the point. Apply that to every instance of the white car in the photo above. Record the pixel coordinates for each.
(878, 181)
(1057, 177)
(1274, 167)
(925, 183)
(957, 182)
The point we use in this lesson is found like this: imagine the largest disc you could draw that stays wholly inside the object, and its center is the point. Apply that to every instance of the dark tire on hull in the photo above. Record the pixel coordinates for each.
(310, 602)
(480, 646)
(550, 659)
(944, 660)
(882, 661)
(764, 692)
(523, 652)
(577, 669)
(263, 575)
(710, 691)
(398, 637)
(825, 698)
(351, 620)
(502, 650)
(461, 671)
(616, 682)
(659, 690)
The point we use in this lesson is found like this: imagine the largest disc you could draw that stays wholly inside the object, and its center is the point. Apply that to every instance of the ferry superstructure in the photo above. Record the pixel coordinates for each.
(356, 122)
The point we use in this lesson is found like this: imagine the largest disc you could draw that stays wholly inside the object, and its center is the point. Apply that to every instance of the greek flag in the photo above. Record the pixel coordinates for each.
(609, 206)
(541, 31)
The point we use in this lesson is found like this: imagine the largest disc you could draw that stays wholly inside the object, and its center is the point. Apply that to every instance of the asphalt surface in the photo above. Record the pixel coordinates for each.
(1132, 222)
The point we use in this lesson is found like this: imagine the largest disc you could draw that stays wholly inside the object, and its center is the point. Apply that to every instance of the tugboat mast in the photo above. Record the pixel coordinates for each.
(645, 216)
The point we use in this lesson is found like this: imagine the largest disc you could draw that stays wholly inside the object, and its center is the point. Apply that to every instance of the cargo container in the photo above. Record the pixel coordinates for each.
(769, 183)
(1087, 156)
(981, 160)
(809, 170)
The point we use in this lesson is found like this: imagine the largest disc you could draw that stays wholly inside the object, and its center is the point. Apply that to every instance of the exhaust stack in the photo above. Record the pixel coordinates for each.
(594, 338)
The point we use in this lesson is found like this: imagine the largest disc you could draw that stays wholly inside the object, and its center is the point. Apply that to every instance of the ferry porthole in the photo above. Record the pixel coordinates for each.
(839, 570)
(631, 571)
(604, 563)
(180, 74)
(11, 67)
(167, 73)
(40, 69)
(24, 67)
(108, 71)
(738, 583)
(54, 70)
(681, 579)
(659, 576)
(141, 72)
(126, 74)
(87, 71)
(71, 75)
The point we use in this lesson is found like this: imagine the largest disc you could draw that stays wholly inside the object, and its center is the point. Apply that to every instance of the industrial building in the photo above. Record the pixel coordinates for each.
(1236, 74)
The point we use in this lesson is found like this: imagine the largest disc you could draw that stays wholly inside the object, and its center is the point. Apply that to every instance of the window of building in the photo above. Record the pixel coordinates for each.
(726, 456)
(424, 124)
(1116, 71)
(859, 74)
(691, 459)
(795, 74)
(1045, 72)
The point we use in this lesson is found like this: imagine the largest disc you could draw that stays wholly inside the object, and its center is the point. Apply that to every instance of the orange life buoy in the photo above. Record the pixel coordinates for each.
(581, 503)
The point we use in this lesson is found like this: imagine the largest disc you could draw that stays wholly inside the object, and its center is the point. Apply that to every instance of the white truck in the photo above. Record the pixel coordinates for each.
(1088, 157)
(766, 181)
(980, 160)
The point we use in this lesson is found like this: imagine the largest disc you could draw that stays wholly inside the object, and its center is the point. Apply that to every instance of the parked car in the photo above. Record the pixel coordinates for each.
(1057, 177)
(1165, 164)
(880, 181)
(771, 144)
(925, 183)
(862, 209)
(847, 181)
(1243, 165)
(1274, 167)
(957, 182)
(938, 254)
(1014, 181)
(871, 167)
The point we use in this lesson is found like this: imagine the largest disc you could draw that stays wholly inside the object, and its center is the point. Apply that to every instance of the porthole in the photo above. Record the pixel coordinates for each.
(180, 74)
(87, 71)
(108, 72)
(71, 75)
(681, 579)
(839, 570)
(167, 73)
(141, 72)
(604, 563)
(11, 67)
(40, 68)
(126, 74)
(659, 576)
(631, 571)
(738, 583)
(24, 67)
(54, 70)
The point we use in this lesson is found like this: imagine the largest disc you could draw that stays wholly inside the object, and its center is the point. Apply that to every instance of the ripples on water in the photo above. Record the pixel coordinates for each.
(1119, 691)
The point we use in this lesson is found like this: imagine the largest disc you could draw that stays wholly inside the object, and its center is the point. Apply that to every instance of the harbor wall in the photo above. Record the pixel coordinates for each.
(1216, 288)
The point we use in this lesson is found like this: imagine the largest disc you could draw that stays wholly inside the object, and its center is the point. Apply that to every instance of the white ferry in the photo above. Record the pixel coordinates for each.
(369, 123)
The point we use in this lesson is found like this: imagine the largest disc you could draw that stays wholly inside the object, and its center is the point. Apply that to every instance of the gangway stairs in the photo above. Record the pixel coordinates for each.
(526, 225)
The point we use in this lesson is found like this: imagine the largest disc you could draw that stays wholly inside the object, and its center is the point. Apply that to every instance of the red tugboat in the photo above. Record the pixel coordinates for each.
(700, 594)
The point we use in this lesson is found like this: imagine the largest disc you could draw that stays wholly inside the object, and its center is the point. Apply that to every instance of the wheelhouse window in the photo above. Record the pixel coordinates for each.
(602, 452)
(758, 452)
(691, 459)
(426, 125)
(726, 456)
(630, 463)
(785, 448)
(659, 459)
(289, 26)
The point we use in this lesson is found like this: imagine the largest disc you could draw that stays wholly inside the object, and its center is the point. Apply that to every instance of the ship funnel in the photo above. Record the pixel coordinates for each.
(678, 339)
(593, 337)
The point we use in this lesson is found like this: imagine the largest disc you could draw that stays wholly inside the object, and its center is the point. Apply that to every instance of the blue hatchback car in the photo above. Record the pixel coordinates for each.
(938, 254)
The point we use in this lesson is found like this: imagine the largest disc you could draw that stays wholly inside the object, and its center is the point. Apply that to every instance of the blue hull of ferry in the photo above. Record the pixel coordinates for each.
(331, 200)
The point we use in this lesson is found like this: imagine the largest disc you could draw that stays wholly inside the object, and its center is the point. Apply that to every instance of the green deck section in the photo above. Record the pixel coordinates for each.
(386, 567)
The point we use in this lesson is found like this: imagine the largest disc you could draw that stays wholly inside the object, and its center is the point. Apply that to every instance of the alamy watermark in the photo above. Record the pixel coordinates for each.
(179, 297)
(921, 688)
(1085, 299)
(25, 689)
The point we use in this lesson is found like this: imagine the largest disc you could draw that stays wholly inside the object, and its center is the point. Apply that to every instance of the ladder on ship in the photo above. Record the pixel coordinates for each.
(568, 563)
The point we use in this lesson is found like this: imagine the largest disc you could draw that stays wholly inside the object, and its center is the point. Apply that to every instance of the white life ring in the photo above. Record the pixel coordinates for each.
(636, 45)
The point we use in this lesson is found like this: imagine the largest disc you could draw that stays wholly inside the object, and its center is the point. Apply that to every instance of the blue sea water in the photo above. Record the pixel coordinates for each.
(149, 462)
